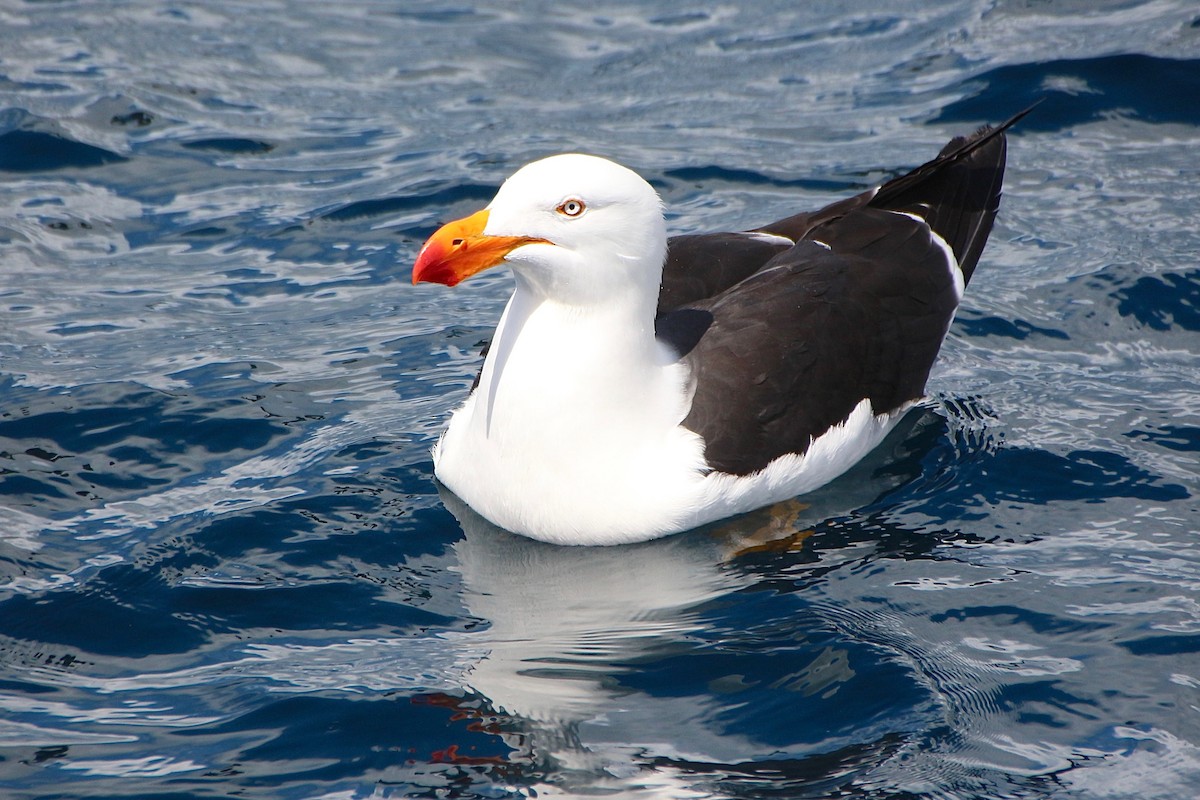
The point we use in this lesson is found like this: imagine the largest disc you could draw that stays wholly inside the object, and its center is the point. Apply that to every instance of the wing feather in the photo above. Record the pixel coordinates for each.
(784, 342)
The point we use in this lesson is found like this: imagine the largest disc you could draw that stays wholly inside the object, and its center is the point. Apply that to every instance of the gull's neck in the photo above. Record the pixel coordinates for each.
(549, 357)
(580, 407)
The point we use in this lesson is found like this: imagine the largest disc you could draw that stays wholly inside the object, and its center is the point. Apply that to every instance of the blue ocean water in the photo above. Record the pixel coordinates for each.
(225, 569)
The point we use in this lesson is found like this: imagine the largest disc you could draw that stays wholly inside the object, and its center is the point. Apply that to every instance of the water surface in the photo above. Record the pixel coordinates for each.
(225, 569)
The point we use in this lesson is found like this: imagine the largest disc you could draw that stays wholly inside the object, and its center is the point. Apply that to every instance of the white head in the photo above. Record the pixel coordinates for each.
(577, 229)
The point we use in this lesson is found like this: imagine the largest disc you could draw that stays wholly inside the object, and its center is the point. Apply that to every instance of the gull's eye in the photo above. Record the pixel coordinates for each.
(571, 208)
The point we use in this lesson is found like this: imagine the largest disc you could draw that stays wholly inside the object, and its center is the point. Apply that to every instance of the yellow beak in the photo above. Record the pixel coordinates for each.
(460, 249)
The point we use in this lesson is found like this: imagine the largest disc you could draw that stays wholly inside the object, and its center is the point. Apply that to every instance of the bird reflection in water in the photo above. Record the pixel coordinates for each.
(581, 642)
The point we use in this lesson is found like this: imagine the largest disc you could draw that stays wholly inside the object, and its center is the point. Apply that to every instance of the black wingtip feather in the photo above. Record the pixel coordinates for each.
(961, 146)
(958, 192)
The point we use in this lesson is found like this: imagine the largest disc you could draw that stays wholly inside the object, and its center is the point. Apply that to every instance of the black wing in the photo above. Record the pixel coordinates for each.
(784, 341)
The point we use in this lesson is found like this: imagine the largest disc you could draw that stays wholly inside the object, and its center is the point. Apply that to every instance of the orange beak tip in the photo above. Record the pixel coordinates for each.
(447, 257)
(436, 265)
